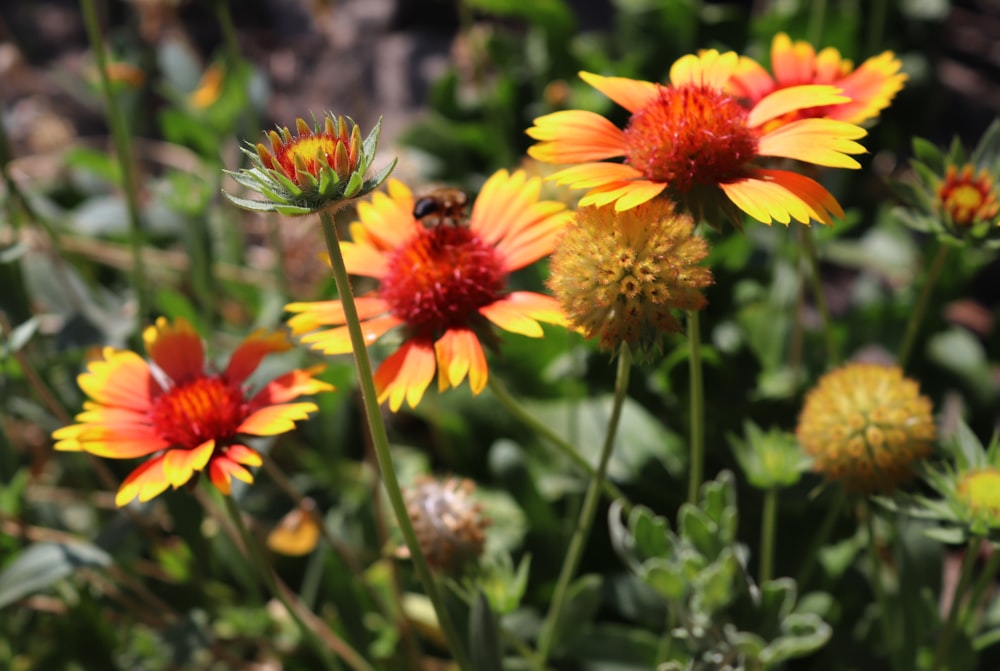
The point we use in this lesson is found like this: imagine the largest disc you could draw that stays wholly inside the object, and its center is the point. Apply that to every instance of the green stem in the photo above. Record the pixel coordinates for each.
(832, 350)
(826, 528)
(587, 512)
(881, 598)
(380, 441)
(123, 152)
(515, 408)
(877, 10)
(769, 516)
(255, 555)
(950, 624)
(667, 639)
(981, 586)
(817, 15)
(917, 315)
(697, 394)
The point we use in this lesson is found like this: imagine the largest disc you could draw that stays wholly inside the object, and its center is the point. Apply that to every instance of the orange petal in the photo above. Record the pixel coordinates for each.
(290, 386)
(459, 353)
(632, 94)
(534, 239)
(176, 349)
(871, 88)
(792, 99)
(275, 419)
(611, 193)
(820, 141)
(388, 218)
(180, 464)
(589, 175)
(121, 379)
(364, 260)
(252, 351)
(223, 470)
(338, 340)
(750, 81)
(242, 454)
(314, 314)
(708, 68)
(793, 63)
(503, 199)
(406, 374)
(298, 532)
(822, 203)
(146, 482)
(638, 193)
(574, 136)
(520, 312)
(777, 195)
(109, 441)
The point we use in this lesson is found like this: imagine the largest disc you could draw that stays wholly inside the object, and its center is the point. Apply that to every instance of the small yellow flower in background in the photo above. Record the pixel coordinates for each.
(209, 88)
(620, 275)
(185, 417)
(968, 484)
(870, 88)
(967, 197)
(444, 285)
(699, 145)
(123, 74)
(865, 425)
(954, 193)
(979, 490)
(318, 167)
(448, 521)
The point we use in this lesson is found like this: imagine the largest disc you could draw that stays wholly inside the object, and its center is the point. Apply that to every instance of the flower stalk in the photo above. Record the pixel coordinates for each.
(123, 152)
(919, 310)
(380, 440)
(587, 512)
(697, 395)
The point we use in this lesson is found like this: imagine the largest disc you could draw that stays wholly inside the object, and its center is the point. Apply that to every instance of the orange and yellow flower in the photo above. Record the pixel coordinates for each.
(700, 145)
(185, 418)
(967, 197)
(444, 285)
(870, 87)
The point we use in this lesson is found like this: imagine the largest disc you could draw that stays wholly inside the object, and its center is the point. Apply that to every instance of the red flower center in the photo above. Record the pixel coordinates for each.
(440, 278)
(311, 149)
(967, 197)
(193, 412)
(690, 136)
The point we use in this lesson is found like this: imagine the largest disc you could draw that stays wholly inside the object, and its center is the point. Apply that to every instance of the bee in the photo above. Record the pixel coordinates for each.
(441, 207)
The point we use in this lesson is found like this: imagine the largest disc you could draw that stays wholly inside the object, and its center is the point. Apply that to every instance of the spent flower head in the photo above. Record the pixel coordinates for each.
(445, 286)
(700, 145)
(448, 522)
(954, 195)
(870, 87)
(182, 414)
(865, 425)
(320, 166)
(619, 276)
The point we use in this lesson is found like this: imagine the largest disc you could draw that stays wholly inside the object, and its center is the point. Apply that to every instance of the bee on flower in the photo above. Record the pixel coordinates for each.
(444, 287)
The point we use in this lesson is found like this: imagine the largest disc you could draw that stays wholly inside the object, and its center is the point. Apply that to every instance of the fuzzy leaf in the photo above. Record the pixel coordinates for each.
(42, 565)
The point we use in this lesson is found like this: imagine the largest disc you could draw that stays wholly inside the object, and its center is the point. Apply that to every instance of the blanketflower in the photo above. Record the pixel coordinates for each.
(870, 87)
(698, 144)
(954, 193)
(185, 417)
(319, 167)
(866, 425)
(444, 285)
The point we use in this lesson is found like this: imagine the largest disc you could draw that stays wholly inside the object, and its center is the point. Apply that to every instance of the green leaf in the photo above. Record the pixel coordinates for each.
(484, 637)
(583, 597)
(804, 634)
(699, 530)
(987, 152)
(650, 534)
(248, 204)
(20, 335)
(928, 153)
(666, 577)
(42, 565)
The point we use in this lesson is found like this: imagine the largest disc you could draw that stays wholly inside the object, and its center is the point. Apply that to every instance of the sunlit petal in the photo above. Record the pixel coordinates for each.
(632, 94)
(406, 374)
(175, 348)
(252, 351)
